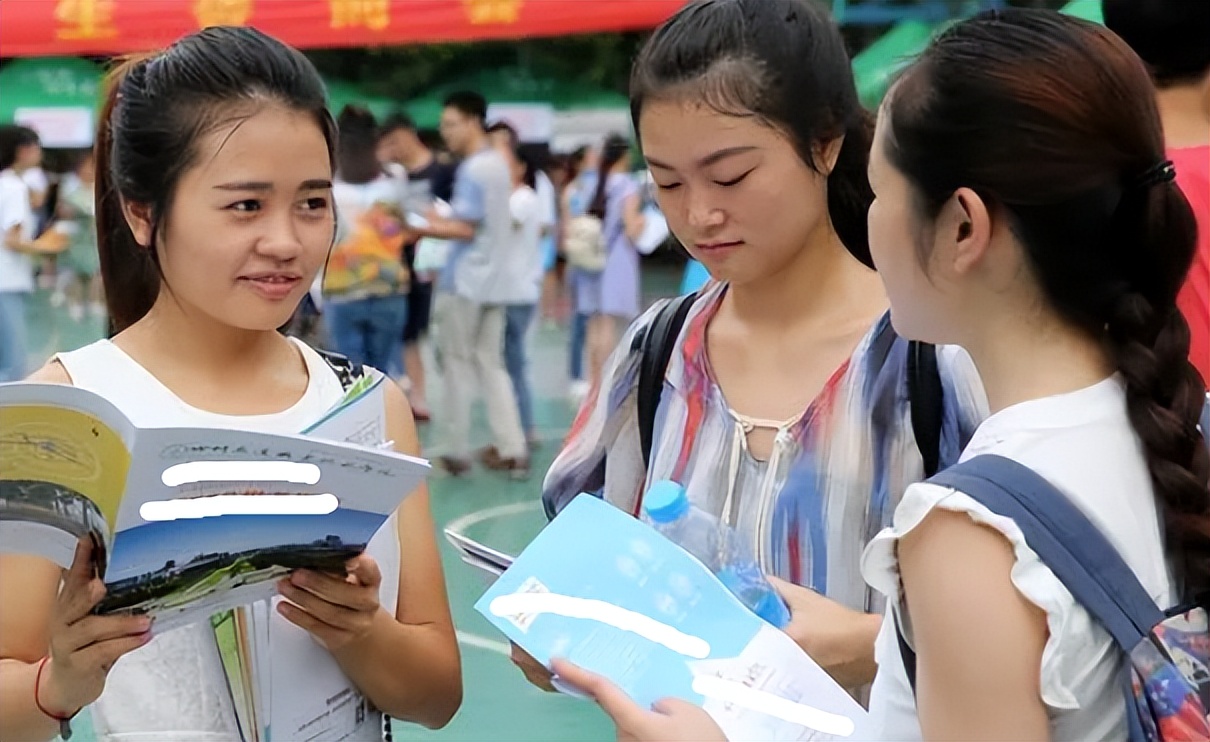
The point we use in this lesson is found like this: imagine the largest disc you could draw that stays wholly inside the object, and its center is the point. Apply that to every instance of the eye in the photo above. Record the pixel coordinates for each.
(316, 203)
(735, 181)
(668, 187)
(246, 206)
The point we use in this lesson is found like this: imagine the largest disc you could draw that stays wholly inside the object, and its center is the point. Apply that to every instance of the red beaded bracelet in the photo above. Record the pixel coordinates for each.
(64, 721)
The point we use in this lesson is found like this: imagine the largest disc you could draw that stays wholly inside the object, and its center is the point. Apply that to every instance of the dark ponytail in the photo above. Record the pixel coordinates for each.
(849, 192)
(783, 62)
(156, 109)
(129, 271)
(614, 149)
(1052, 120)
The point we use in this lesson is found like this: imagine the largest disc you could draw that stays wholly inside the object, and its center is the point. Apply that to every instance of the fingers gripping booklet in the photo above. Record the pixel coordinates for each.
(185, 521)
(609, 593)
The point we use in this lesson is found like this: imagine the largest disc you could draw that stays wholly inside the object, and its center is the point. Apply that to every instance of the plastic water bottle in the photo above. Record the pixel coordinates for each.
(666, 508)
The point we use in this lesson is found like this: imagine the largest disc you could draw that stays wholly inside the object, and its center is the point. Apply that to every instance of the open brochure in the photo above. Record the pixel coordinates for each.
(187, 521)
(609, 593)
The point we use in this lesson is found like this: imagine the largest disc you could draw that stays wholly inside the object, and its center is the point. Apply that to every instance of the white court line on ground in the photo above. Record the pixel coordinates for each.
(459, 526)
(482, 642)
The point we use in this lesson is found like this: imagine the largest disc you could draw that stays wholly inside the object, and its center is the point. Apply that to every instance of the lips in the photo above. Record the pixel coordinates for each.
(272, 286)
(718, 246)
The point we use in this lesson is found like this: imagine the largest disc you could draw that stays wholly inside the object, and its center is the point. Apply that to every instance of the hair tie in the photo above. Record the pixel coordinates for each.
(1163, 172)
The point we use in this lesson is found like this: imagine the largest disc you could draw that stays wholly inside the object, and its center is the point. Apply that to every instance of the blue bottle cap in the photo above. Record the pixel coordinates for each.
(665, 502)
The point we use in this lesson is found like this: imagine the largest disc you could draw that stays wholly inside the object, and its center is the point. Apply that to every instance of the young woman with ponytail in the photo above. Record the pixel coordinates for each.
(1025, 211)
(610, 298)
(784, 409)
(214, 215)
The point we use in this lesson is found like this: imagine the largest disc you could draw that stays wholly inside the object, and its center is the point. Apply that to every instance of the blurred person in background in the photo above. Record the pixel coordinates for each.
(428, 180)
(1173, 39)
(573, 202)
(504, 135)
(78, 283)
(610, 298)
(366, 283)
(469, 308)
(20, 151)
(526, 274)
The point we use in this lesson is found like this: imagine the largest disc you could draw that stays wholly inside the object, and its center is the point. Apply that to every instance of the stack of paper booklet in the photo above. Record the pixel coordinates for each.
(196, 524)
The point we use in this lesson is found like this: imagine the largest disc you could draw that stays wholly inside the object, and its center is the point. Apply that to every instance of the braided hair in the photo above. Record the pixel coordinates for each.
(1052, 121)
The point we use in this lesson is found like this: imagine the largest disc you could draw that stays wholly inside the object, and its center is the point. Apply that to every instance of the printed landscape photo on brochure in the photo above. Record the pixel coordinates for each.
(185, 521)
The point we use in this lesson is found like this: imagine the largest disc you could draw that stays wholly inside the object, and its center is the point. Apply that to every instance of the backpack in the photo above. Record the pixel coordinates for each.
(584, 243)
(657, 343)
(1165, 682)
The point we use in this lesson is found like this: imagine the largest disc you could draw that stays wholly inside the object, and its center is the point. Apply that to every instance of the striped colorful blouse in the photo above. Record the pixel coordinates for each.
(832, 481)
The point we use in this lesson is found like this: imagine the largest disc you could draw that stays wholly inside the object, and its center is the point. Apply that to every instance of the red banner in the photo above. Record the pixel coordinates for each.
(30, 28)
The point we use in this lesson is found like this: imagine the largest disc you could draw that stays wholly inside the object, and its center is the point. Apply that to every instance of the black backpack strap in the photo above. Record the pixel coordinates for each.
(656, 351)
(348, 372)
(925, 401)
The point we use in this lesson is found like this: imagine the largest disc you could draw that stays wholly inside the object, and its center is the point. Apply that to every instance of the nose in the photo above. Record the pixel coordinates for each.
(701, 213)
(280, 240)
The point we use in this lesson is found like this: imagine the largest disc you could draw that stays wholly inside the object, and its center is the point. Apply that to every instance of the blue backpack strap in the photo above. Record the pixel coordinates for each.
(1068, 543)
(1065, 540)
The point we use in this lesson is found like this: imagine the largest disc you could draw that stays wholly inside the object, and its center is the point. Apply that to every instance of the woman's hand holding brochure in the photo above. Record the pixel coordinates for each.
(84, 646)
(668, 720)
(337, 611)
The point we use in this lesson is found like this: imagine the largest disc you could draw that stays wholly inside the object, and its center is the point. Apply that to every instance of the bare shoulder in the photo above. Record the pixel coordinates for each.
(52, 373)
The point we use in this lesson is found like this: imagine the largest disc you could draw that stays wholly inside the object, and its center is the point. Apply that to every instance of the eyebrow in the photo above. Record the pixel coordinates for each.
(260, 186)
(708, 160)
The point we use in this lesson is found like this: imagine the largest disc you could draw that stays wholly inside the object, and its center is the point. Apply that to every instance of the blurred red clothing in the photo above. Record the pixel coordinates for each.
(1193, 176)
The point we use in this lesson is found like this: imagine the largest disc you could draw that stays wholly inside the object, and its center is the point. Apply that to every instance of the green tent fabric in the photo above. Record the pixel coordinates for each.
(875, 67)
(1090, 10)
(49, 82)
(341, 94)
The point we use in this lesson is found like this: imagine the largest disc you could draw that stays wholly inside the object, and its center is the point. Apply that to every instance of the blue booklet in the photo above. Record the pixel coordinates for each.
(609, 593)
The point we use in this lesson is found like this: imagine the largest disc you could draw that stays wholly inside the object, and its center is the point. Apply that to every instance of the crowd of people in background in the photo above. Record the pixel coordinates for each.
(466, 242)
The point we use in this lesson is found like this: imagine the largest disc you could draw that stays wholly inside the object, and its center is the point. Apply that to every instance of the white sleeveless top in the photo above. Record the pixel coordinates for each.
(172, 689)
(1082, 442)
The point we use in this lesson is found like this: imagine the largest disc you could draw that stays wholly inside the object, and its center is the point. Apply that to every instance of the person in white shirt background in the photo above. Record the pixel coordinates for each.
(1024, 210)
(20, 152)
(528, 213)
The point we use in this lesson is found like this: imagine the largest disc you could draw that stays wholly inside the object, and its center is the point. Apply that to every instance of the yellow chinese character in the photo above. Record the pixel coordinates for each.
(222, 12)
(373, 14)
(483, 12)
(85, 19)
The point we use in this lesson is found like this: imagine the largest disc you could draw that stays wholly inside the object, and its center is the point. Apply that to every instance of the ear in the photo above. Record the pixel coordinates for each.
(965, 224)
(826, 154)
(138, 218)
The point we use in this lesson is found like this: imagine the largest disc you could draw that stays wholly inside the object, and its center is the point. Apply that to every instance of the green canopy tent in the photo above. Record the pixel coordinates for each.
(876, 66)
(1089, 10)
(341, 94)
(56, 96)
